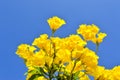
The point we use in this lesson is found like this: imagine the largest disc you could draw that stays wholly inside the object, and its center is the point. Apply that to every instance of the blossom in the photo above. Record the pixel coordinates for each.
(25, 51)
(88, 31)
(89, 58)
(91, 33)
(99, 38)
(55, 23)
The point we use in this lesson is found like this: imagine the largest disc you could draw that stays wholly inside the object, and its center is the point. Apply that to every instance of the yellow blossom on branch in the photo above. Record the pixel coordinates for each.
(91, 33)
(68, 58)
(88, 31)
(25, 51)
(55, 23)
(99, 38)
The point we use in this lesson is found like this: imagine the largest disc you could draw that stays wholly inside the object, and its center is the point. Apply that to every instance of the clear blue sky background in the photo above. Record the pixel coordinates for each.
(23, 20)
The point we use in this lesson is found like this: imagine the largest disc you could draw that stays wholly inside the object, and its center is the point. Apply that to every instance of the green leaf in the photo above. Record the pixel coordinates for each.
(34, 76)
(33, 72)
(75, 76)
(26, 73)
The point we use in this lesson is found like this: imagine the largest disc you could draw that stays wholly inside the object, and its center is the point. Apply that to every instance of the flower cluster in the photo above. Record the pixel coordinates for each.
(91, 33)
(69, 58)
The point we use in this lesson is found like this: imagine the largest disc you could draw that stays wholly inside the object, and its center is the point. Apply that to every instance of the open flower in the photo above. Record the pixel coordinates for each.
(55, 23)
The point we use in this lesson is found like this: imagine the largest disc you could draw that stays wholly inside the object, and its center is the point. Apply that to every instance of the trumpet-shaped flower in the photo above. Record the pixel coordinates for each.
(25, 51)
(99, 38)
(55, 23)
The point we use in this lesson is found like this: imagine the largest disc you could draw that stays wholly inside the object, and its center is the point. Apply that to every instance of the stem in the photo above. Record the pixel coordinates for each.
(53, 31)
(97, 46)
(52, 68)
(71, 75)
(50, 74)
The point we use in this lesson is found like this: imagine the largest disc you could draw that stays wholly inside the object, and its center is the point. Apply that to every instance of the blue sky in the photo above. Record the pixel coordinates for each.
(23, 20)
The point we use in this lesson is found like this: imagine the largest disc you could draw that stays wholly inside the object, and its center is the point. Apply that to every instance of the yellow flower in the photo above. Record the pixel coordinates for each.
(73, 41)
(96, 72)
(70, 66)
(78, 66)
(63, 55)
(116, 73)
(37, 59)
(57, 42)
(77, 52)
(25, 51)
(89, 58)
(100, 38)
(40, 41)
(91, 33)
(107, 75)
(55, 23)
(44, 43)
(88, 31)
(48, 60)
